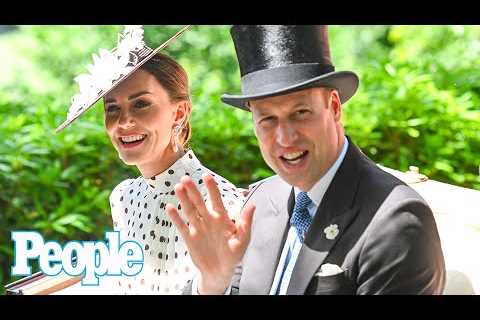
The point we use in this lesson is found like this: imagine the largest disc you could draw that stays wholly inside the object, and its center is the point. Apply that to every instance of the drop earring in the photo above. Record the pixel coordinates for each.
(176, 137)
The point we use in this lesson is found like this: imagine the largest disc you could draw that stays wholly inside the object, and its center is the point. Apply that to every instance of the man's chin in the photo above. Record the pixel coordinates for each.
(296, 181)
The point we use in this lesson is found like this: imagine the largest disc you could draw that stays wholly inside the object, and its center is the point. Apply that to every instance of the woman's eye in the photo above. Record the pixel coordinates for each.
(141, 104)
(111, 108)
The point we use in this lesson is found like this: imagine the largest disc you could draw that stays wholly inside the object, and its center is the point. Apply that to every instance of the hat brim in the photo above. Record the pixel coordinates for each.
(102, 94)
(67, 122)
(346, 82)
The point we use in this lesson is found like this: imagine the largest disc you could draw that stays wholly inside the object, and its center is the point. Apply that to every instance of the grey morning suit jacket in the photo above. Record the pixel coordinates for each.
(387, 243)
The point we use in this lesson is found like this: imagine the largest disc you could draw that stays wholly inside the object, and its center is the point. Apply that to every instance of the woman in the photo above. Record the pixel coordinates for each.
(147, 120)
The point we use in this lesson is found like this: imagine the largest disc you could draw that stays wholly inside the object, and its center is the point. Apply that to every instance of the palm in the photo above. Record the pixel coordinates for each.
(215, 242)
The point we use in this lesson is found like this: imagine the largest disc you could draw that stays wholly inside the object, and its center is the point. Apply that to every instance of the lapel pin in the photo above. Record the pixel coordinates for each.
(331, 231)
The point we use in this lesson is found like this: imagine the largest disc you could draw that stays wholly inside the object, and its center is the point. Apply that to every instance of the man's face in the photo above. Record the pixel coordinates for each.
(300, 133)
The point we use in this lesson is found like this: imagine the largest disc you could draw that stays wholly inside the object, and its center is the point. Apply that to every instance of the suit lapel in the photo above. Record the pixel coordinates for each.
(268, 236)
(336, 211)
(309, 259)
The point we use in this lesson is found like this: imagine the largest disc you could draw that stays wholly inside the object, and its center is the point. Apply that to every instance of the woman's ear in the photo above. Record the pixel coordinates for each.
(181, 113)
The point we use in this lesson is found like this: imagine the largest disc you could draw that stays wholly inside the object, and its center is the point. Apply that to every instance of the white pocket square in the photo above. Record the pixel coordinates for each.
(329, 269)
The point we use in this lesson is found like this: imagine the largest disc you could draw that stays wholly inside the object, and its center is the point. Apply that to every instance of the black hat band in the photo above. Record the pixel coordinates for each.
(269, 80)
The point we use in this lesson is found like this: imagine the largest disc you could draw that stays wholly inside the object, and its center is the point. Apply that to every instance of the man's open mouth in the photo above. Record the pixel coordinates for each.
(294, 157)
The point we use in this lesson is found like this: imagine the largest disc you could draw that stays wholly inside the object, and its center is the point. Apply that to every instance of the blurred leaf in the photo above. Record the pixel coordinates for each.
(418, 104)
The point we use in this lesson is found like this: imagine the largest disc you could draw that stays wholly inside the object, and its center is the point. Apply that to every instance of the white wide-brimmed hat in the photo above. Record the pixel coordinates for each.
(110, 68)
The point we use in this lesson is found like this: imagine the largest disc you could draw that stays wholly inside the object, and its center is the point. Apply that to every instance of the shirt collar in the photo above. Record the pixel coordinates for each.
(165, 181)
(318, 190)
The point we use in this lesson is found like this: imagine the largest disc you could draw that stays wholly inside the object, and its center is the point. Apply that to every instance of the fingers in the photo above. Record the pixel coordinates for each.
(194, 196)
(214, 194)
(245, 223)
(188, 208)
(177, 221)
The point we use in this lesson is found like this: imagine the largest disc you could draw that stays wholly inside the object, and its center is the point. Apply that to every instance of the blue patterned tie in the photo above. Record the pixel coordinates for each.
(301, 218)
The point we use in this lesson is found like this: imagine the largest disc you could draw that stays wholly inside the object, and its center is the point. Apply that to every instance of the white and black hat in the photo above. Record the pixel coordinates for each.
(111, 67)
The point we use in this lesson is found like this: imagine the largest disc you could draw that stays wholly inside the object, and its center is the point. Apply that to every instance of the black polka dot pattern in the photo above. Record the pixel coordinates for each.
(139, 206)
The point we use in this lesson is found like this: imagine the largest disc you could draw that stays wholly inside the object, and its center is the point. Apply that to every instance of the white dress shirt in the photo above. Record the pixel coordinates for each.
(293, 245)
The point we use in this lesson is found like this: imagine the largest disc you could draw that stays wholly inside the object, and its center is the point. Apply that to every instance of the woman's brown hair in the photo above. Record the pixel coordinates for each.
(173, 78)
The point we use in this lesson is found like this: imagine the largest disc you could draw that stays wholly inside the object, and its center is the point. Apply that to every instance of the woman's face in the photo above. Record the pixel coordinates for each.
(139, 118)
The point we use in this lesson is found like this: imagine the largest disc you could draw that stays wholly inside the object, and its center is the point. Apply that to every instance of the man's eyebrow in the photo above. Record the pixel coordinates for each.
(261, 113)
(299, 105)
(133, 96)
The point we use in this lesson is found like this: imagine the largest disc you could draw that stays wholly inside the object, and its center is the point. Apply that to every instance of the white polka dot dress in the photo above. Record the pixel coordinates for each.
(138, 212)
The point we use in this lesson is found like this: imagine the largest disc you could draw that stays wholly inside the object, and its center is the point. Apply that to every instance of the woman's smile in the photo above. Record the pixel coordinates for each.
(131, 141)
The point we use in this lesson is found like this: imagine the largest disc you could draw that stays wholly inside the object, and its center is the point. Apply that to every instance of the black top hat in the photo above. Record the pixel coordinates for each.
(276, 60)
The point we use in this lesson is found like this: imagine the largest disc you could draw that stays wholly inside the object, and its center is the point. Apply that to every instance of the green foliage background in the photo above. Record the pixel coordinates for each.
(418, 104)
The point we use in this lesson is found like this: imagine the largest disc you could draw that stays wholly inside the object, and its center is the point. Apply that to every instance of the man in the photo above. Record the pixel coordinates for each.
(331, 222)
